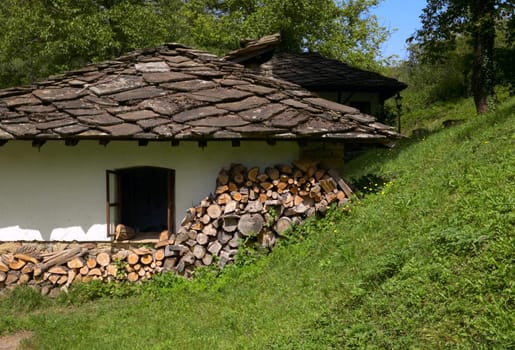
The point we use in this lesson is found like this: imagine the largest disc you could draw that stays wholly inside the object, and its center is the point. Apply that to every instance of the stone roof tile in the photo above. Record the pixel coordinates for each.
(174, 92)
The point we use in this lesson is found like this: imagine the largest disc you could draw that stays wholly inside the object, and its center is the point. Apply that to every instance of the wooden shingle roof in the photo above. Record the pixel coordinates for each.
(176, 93)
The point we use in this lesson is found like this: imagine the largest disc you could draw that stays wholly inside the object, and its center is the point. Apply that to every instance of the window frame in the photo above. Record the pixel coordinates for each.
(114, 179)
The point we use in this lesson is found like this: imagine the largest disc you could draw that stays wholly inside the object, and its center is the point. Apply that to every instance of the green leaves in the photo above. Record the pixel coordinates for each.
(43, 37)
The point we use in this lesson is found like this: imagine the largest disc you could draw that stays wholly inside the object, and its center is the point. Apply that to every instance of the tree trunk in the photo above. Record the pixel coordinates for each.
(483, 34)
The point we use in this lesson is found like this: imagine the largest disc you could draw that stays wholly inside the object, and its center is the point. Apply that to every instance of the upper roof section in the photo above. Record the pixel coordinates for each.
(311, 70)
(177, 93)
(317, 73)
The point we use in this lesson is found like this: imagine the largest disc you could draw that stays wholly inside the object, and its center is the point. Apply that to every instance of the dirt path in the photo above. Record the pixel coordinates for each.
(12, 341)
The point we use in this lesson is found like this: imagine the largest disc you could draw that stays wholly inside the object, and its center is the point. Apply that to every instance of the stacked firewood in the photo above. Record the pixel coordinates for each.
(252, 203)
(49, 270)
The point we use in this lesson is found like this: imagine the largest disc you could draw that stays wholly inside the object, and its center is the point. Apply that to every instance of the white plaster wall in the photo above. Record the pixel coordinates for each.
(58, 192)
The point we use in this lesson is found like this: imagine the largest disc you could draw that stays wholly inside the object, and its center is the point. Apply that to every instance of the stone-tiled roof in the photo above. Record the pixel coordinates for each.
(176, 93)
(317, 73)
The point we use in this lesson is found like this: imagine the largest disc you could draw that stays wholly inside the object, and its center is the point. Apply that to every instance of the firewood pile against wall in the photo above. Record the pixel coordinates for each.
(247, 204)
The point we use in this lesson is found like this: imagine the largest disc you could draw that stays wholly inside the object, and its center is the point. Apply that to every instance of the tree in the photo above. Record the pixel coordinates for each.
(445, 20)
(43, 37)
(342, 30)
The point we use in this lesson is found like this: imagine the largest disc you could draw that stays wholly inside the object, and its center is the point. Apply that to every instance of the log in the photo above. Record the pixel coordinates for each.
(123, 232)
(230, 223)
(214, 211)
(146, 259)
(199, 251)
(91, 262)
(58, 270)
(214, 247)
(76, 263)
(262, 177)
(221, 189)
(272, 173)
(84, 270)
(3, 276)
(237, 196)
(53, 278)
(121, 255)
(206, 219)
(132, 258)
(223, 237)
(24, 278)
(250, 224)
(26, 258)
(207, 259)
(188, 259)
(285, 169)
(111, 270)
(222, 178)
(3, 267)
(232, 187)
(16, 264)
(141, 251)
(239, 178)
(12, 277)
(223, 199)
(341, 182)
(282, 224)
(169, 263)
(252, 176)
(95, 272)
(202, 239)
(328, 185)
(230, 207)
(62, 279)
(159, 254)
(209, 230)
(164, 235)
(28, 268)
(71, 277)
(133, 276)
(103, 259)
(190, 214)
(59, 259)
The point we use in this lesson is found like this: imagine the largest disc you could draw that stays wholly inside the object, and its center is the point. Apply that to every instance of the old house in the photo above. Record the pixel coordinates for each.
(140, 139)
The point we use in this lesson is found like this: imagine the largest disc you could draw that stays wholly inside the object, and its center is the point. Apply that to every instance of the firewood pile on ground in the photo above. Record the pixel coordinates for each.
(247, 204)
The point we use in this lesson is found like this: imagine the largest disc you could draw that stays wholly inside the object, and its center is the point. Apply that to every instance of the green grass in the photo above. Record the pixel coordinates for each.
(423, 262)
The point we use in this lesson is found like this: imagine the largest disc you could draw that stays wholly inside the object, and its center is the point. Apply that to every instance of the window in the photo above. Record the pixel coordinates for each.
(141, 198)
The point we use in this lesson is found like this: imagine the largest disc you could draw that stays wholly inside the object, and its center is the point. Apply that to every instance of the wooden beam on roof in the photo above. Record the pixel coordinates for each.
(38, 143)
(302, 142)
(71, 142)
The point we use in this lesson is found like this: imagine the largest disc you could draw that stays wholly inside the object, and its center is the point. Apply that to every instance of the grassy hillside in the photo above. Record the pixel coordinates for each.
(424, 261)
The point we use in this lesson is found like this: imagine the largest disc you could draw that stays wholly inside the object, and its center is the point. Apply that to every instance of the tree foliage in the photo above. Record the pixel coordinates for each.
(342, 30)
(43, 37)
(444, 21)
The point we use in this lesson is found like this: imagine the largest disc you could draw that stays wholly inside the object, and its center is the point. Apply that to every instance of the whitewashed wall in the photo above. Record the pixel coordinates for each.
(58, 192)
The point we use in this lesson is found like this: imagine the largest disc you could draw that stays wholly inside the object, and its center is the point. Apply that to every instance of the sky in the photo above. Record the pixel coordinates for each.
(402, 16)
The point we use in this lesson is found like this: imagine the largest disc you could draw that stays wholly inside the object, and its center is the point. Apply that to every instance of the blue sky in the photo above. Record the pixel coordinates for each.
(402, 15)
